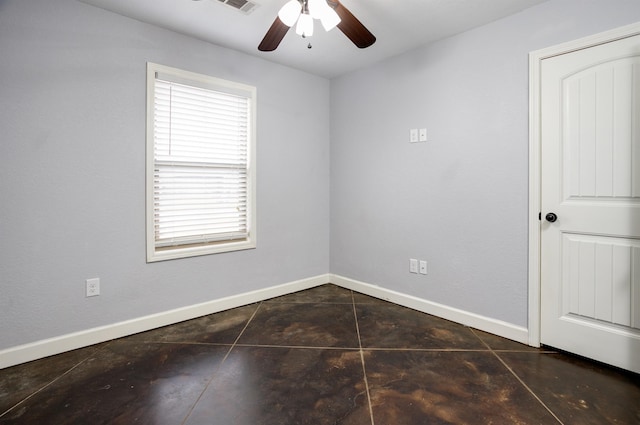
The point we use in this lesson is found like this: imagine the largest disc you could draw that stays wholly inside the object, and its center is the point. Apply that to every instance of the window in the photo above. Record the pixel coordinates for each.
(200, 164)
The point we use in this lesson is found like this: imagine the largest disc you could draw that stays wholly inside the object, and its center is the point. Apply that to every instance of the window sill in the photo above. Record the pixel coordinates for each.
(164, 254)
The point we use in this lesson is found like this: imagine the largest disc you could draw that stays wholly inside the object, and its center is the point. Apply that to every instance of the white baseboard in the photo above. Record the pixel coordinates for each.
(486, 324)
(48, 347)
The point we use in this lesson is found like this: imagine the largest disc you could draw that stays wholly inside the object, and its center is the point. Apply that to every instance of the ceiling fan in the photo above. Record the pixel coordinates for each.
(330, 12)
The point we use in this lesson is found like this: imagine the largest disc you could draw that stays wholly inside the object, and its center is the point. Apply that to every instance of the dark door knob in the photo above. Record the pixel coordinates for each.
(551, 217)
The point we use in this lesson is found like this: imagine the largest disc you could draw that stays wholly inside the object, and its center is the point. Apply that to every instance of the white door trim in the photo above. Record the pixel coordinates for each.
(535, 60)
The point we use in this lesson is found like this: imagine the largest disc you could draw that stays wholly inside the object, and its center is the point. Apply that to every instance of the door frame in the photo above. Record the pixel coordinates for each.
(535, 228)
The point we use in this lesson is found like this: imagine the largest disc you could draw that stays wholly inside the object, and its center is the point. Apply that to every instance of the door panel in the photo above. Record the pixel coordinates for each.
(590, 178)
(601, 160)
(598, 276)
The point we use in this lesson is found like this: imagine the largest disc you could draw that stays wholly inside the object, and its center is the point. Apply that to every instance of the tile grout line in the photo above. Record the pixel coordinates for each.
(492, 351)
(39, 390)
(215, 371)
(319, 347)
(364, 369)
(527, 387)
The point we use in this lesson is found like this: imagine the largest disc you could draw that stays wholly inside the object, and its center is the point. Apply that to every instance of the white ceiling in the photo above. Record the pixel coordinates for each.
(399, 26)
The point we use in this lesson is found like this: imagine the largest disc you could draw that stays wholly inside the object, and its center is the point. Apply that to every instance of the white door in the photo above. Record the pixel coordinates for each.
(590, 180)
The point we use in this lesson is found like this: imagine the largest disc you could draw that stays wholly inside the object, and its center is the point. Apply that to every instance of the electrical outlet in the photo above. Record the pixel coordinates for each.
(423, 267)
(413, 265)
(93, 287)
(413, 135)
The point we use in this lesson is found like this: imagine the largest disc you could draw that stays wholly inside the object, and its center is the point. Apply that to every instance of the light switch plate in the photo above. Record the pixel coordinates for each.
(423, 267)
(423, 134)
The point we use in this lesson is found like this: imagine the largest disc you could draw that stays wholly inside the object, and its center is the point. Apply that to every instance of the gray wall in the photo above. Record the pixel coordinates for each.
(460, 200)
(72, 172)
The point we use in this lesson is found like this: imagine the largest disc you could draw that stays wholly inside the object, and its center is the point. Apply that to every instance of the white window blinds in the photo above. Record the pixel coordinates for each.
(201, 164)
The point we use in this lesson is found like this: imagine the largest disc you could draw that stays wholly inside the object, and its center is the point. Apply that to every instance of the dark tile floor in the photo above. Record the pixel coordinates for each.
(321, 356)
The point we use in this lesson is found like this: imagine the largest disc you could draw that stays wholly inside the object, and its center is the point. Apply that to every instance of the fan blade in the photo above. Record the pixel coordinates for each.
(274, 36)
(352, 27)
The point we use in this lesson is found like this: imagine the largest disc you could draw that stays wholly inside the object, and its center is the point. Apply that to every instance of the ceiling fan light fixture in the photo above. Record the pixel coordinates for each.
(320, 9)
(330, 19)
(305, 25)
(332, 14)
(290, 12)
(316, 8)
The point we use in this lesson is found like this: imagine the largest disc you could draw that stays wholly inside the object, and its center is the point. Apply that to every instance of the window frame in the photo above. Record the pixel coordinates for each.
(155, 253)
